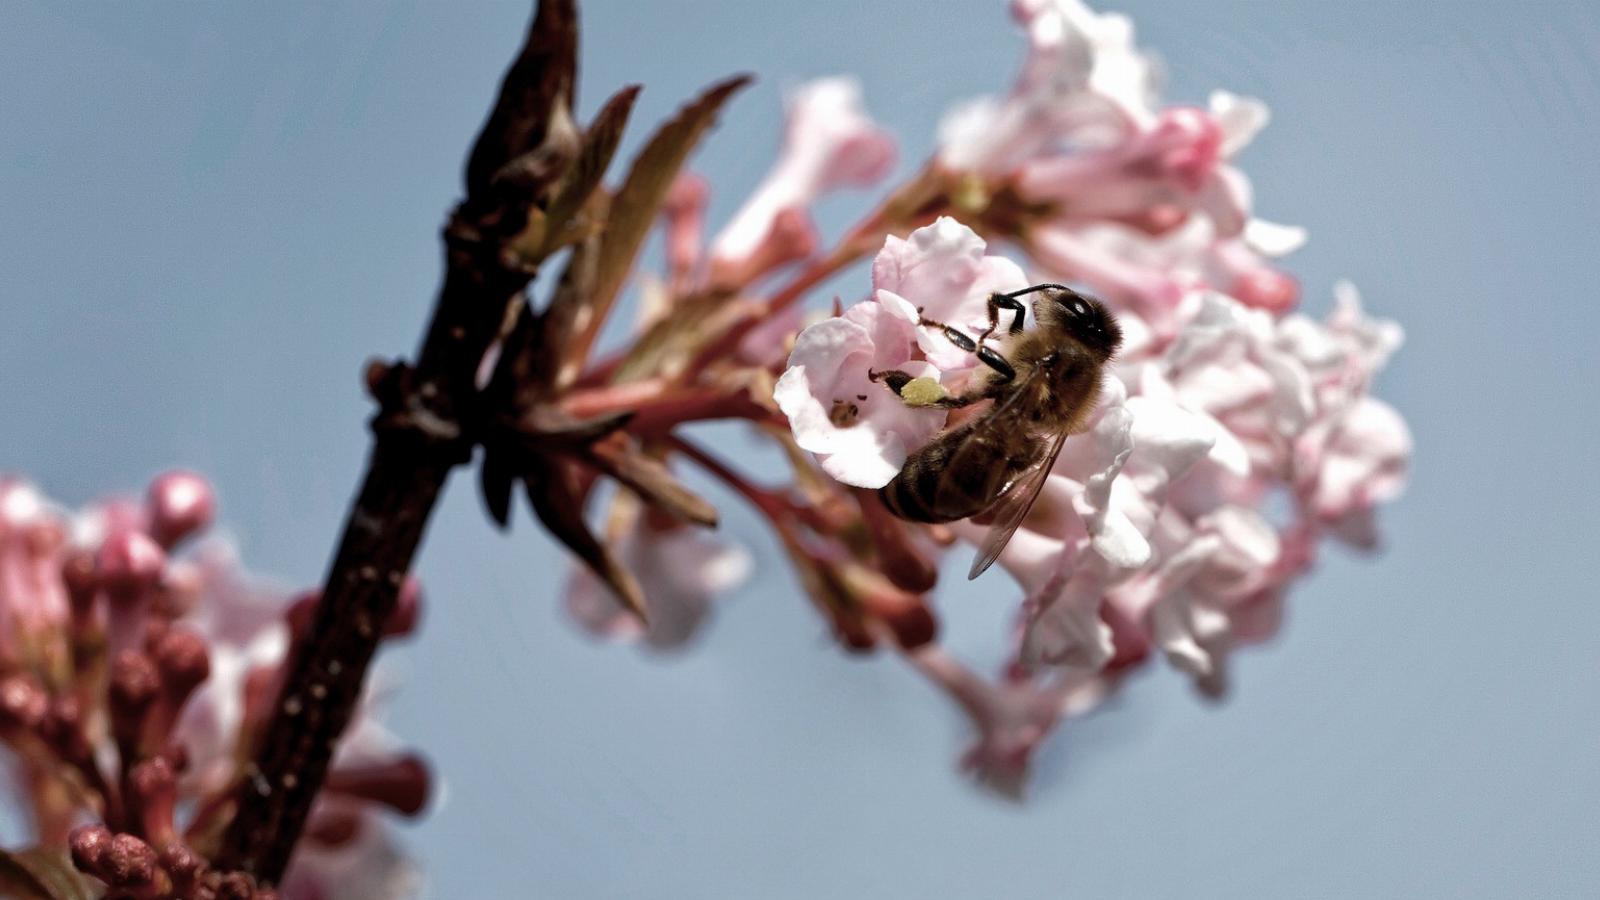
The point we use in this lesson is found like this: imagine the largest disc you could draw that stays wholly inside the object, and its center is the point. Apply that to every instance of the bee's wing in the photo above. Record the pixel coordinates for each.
(1013, 504)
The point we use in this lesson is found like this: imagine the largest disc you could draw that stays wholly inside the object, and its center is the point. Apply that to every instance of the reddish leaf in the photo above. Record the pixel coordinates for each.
(558, 507)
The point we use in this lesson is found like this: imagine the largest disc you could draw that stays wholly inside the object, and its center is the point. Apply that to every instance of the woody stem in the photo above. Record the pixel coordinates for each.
(427, 424)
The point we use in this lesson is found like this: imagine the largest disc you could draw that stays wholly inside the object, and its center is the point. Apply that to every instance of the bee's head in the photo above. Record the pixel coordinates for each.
(1083, 317)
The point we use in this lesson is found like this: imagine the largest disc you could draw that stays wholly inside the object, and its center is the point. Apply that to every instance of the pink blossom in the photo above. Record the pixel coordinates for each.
(1291, 395)
(683, 216)
(1364, 458)
(1012, 715)
(1012, 718)
(1177, 162)
(242, 618)
(1083, 82)
(1125, 464)
(860, 431)
(1153, 273)
(1127, 267)
(680, 570)
(1343, 353)
(941, 273)
(1207, 572)
(1355, 453)
(829, 143)
(1063, 626)
(1228, 363)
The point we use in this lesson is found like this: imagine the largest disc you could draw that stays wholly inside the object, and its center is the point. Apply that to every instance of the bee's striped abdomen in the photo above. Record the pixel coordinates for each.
(910, 494)
(932, 487)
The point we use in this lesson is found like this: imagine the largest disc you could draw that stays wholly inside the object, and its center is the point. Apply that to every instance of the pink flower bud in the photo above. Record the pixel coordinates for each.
(908, 618)
(332, 827)
(128, 863)
(907, 567)
(1185, 146)
(135, 684)
(905, 615)
(184, 865)
(179, 504)
(152, 786)
(237, 886)
(23, 702)
(89, 845)
(1268, 289)
(302, 611)
(684, 215)
(129, 563)
(789, 238)
(401, 784)
(852, 634)
(63, 729)
(82, 583)
(184, 662)
(181, 587)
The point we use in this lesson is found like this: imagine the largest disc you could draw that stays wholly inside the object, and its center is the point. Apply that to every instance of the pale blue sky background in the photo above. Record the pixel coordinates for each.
(210, 214)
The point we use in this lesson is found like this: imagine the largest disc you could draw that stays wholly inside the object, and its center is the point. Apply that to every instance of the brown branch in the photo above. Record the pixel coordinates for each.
(427, 424)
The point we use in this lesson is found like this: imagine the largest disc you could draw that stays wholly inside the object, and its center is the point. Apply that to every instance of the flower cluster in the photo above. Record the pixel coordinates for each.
(1231, 435)
(137, 665)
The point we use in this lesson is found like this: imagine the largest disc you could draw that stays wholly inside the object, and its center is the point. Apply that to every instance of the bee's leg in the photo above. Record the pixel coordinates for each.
(1003, 372)
(953, 335)
(998, 302)
(923, 392)
(986, 354)
(894, 378)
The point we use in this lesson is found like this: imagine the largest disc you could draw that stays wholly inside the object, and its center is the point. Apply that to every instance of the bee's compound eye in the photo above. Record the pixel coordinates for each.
(1075, 309)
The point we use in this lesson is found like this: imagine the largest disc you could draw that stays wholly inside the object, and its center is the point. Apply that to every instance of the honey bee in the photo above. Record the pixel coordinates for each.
(1041, 389)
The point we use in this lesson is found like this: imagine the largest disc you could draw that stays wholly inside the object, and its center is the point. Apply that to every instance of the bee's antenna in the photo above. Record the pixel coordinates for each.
(1035, 289)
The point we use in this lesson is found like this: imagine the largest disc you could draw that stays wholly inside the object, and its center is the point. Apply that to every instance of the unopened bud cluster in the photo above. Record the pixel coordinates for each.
(137, 665)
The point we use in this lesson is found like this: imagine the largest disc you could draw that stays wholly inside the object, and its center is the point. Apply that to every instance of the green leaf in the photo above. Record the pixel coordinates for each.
(634, 208)
(43, 873)
(599, 146)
